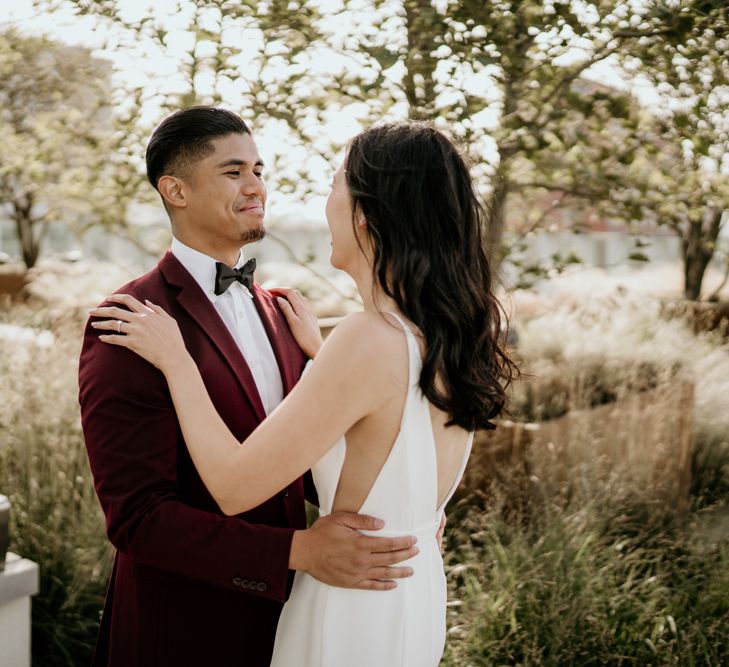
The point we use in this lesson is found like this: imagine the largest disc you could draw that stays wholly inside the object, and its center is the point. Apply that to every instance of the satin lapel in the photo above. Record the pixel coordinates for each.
(281, 341)
(278, 335)
(202, 311)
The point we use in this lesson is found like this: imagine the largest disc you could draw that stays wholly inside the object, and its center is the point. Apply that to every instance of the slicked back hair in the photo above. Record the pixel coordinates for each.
(183, 138)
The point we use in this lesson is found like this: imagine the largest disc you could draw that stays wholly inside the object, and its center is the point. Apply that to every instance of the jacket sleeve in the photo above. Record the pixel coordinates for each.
(310, 489)
(131, 434)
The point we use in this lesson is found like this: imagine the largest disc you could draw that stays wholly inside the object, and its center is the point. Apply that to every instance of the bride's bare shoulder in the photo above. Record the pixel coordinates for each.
(368, 324)
(364, 350)
(371, 333)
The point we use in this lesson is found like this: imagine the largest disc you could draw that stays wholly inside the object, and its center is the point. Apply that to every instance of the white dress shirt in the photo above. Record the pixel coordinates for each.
(237, 310)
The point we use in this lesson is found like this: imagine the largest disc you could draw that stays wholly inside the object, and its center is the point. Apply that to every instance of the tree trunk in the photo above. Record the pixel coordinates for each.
(421, 19)
(25, 227)
(496, 220)
(699, 245)
(501, 182)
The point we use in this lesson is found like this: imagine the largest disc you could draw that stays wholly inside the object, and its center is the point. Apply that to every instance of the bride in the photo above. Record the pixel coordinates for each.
(385, 414)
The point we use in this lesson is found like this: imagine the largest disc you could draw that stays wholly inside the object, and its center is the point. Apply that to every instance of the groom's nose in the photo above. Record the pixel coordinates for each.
(252, 185)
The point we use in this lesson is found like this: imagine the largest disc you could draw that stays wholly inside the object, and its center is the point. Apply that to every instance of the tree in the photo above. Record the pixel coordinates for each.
(54, 126)
(680, 179)
(250, 56)
(668, 165)
(504, 78)
(681, 170)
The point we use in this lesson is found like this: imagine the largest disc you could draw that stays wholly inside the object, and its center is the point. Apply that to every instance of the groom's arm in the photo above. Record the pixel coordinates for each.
(131, 432)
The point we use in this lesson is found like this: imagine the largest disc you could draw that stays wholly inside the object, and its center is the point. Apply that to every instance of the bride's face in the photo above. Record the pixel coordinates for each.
(346, 253)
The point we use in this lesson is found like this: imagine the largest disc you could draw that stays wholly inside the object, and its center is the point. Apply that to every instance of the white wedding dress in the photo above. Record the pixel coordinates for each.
(326, 626)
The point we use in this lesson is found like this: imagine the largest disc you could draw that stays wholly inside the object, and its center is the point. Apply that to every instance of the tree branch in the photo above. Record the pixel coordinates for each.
(553, 187)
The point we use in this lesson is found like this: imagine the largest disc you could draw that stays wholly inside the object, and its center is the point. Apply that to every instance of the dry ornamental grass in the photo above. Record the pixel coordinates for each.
(591, 531)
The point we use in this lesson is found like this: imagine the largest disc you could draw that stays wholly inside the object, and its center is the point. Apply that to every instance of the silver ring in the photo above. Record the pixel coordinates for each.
(118, 326)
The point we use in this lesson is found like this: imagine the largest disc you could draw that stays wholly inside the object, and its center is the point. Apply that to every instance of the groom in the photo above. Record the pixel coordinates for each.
(191, 586)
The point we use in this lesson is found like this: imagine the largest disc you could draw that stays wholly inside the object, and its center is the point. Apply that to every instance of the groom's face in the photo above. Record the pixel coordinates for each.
(225, 193)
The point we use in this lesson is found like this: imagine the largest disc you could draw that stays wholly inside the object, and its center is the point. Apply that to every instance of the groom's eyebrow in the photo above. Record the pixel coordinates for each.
(237, 162)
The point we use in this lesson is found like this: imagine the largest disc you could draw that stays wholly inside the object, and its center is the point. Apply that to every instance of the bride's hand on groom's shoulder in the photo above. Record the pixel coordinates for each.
(302, 320)
(144, 328)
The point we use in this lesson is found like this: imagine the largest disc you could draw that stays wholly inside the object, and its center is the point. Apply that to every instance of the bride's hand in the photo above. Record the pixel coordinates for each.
(145, 329)
(301, 318)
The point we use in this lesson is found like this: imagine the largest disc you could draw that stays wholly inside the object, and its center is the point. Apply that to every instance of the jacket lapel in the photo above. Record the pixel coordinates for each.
(192, 299)
(279, 336)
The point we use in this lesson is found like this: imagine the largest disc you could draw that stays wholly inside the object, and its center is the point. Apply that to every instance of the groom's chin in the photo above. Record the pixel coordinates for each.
(253, 235)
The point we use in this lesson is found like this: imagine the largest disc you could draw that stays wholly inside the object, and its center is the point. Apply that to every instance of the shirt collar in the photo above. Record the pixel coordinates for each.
(200, 266)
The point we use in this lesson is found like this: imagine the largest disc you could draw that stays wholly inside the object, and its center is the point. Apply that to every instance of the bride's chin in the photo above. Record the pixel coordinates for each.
(334, 262)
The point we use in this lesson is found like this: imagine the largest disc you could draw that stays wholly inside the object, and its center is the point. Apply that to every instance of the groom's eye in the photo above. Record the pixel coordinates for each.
(233, 173)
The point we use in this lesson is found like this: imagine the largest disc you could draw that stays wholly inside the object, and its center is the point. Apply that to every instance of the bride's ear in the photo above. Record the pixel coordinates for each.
(362, 222)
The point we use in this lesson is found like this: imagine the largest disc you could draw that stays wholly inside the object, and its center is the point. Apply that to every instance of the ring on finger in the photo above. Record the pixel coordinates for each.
(118, 326)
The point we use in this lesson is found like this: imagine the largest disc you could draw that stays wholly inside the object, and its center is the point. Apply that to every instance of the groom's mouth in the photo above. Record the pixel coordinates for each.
(252, 207)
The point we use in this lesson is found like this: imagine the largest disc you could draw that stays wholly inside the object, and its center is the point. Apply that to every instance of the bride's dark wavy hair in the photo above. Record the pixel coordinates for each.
(424, 220)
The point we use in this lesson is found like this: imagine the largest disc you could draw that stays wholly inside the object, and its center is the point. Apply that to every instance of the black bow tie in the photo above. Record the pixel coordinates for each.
(225, 276)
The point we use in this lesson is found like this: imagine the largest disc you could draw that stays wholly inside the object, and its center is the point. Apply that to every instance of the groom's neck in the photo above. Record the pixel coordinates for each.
(227, 255)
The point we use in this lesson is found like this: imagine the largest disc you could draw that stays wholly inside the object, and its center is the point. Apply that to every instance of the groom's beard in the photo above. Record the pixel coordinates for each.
(253, 235)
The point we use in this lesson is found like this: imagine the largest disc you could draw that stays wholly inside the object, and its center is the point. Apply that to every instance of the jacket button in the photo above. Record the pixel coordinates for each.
(236, 581)
(261, 586)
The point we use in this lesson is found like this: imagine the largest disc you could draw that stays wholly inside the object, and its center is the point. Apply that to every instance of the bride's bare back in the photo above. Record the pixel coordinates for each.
(370, 440)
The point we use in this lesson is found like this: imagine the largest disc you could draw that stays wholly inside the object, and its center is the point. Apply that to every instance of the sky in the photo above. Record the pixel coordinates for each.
(138, 67)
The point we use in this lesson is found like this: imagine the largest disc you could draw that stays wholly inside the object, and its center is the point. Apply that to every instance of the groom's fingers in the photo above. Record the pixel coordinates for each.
(376, 585)
(388, 544)
(386, 573)
(377, 559)
(358, 521)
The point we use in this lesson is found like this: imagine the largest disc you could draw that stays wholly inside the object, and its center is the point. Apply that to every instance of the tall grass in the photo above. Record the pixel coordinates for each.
(611, 577)
(55, 518)
(612, 583)
(541, 575)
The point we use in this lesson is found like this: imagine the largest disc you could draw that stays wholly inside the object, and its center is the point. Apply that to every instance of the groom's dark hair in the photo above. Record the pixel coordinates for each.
(184, 138)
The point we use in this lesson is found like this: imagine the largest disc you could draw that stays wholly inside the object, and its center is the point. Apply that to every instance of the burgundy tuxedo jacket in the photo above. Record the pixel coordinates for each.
(190, 586)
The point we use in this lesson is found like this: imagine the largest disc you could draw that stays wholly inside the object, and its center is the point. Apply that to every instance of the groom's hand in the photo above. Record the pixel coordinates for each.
(335, 553)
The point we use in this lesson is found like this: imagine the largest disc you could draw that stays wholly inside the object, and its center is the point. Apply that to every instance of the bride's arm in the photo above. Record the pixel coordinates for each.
(339, 389)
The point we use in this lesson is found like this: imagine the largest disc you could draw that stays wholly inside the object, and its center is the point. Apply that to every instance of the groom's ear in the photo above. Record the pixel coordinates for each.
(172, 190)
